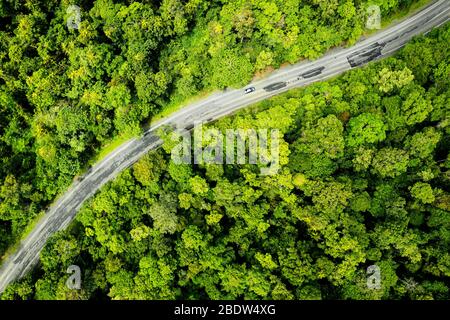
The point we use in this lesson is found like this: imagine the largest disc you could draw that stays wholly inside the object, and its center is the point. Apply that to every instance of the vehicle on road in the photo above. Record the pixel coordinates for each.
(275, 86)
(312, 73)
(249, 90)
(365, 55)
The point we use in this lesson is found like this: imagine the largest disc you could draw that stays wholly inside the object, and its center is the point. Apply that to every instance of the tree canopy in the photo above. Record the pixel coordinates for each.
(363, 180)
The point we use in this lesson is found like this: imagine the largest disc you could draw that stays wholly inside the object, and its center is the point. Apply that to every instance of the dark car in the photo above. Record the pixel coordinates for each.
(249, 90)
(366, 55)
(275, 86)
(312, 73)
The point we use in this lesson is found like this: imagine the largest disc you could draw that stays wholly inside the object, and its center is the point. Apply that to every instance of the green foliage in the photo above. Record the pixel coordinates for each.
(366, 128)
(390, 162)
(423, 192)
(364, 158)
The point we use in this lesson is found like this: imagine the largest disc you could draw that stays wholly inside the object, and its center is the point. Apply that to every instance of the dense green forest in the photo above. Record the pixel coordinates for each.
(364, 180)
(65, 93)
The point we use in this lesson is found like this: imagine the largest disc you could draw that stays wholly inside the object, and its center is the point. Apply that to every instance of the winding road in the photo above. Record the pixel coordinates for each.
(335, 62)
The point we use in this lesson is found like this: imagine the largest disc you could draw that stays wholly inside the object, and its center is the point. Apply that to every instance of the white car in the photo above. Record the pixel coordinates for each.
(249, 90)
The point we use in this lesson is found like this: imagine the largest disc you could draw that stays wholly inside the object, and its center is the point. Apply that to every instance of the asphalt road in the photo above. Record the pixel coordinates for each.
(335, 62)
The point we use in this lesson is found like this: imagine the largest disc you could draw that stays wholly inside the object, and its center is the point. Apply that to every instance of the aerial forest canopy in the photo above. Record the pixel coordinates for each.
(364, 180)
(66, 92)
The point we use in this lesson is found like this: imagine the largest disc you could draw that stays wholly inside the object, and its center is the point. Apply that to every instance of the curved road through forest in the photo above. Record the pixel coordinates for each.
(335, 62)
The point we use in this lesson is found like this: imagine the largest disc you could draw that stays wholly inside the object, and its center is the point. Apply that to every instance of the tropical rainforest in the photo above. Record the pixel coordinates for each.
(365, 162)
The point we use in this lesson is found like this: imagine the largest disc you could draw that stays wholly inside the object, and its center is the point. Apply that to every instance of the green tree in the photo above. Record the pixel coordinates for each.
(365, 128)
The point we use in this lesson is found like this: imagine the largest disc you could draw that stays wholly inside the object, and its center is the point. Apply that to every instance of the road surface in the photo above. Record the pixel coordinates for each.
(335, 62)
